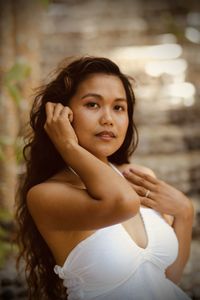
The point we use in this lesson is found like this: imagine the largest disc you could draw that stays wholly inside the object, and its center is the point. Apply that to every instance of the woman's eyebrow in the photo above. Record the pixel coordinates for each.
(100, 97)
(121, 99)
(92, 95)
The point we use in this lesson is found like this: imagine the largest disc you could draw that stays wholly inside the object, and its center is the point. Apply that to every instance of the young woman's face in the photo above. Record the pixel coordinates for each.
(100, 114)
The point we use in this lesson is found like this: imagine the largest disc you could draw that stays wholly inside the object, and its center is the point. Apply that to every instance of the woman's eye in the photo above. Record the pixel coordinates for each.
(92, 105)
(119, 108)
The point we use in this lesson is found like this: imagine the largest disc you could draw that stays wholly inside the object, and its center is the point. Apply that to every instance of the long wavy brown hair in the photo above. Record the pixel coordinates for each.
(42, 161)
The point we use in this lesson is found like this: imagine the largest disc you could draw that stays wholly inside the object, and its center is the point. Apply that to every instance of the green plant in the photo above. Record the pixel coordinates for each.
(13, 81)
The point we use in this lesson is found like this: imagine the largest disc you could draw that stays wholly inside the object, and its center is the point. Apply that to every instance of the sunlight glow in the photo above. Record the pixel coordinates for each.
(192, 34)
(183, 89)
(159, 52)
(160, 60)
(171, 67)
(180, 93)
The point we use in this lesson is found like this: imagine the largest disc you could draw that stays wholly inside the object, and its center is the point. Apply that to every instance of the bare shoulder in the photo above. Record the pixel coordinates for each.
(56, 205)
(45, 195)
(60, 206)
(39, 197)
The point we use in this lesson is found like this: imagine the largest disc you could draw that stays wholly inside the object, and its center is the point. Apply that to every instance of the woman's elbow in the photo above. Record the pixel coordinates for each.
(130, 203)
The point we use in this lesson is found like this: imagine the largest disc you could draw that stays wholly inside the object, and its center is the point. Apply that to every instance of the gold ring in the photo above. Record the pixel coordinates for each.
(147, 193)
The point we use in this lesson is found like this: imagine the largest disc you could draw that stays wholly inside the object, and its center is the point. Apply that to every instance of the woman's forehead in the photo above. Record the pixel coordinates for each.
(102, 83)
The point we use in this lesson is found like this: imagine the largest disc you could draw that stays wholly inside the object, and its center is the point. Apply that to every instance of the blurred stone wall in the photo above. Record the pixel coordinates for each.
(19, 53)
(166, 81)
(158, 43)
(167, 78)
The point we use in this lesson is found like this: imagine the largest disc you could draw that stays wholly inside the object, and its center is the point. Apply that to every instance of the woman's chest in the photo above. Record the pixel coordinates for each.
(135, 227)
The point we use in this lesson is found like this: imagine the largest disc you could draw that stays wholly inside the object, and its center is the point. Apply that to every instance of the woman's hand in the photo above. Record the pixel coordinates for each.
(159, 195)
(58, 124)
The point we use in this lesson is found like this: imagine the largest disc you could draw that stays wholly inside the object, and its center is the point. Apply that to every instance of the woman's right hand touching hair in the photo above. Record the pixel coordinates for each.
(58, 125)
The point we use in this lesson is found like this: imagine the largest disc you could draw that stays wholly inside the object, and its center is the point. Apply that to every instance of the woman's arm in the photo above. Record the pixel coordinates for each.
(167, 200)
(108, 198)
(183, 228)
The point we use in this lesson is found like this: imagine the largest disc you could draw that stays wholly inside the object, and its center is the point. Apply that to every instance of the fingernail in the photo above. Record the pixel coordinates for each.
(125, 173)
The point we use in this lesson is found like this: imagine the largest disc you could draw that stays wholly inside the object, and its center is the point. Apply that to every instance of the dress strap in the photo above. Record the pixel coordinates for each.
(114, 168)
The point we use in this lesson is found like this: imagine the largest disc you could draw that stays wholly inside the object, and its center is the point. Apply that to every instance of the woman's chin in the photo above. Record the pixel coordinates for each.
(103, 154)
(101, 150)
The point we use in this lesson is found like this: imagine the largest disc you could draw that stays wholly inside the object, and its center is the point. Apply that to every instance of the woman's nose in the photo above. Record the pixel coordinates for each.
(106, 117)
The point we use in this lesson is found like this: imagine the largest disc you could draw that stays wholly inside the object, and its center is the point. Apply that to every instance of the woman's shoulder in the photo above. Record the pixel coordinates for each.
(141, 168)
(60, 183)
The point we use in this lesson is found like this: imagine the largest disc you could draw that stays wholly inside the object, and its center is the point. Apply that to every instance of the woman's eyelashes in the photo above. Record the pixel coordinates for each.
(94, 105)
(120, 108)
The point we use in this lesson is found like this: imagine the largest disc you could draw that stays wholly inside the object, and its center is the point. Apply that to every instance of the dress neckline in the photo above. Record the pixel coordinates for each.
(98, 231)
(140, 212)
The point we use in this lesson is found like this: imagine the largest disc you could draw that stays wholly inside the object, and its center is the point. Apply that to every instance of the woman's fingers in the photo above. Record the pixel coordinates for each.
(144, 175)
(147, 202)
(142, 181)
(57, 124)
(49, 108)
(142, 192)
(57, 111)
(145, 185)
(156, 193)
(66, 111)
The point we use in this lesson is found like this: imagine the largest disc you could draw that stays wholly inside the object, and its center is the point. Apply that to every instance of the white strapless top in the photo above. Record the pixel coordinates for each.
(109, 265)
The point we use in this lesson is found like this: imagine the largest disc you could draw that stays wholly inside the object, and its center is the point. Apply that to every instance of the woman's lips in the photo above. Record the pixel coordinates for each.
(106, 135)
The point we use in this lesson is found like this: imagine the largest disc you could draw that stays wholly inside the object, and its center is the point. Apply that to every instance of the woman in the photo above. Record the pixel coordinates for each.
(88, 219)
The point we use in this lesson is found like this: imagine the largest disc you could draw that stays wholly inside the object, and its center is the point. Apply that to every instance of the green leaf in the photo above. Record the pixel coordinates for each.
(45, 2)
(15, 93)
(6, 140)
(5, 214)
(2, 156)
(17, 73)
(19, 144)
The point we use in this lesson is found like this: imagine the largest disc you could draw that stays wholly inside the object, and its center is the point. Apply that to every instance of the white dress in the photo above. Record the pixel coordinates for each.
(109, 265)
